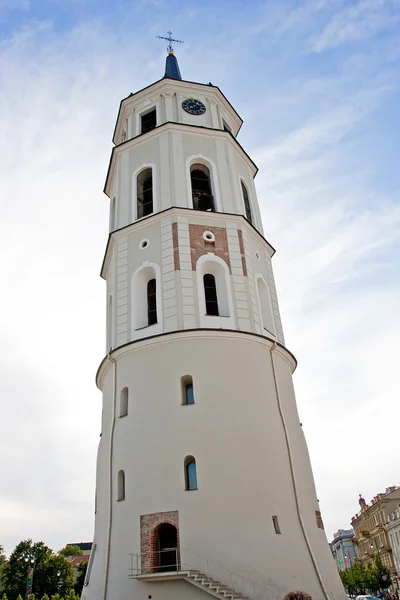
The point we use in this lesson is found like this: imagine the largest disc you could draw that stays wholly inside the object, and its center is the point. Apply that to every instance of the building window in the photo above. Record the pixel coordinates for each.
(146, 299)
(112, 214)
(151, 302)
(201, 188)
(144, 193)
(187, 390)
(190, 473)
(123, 402)
(149, 121)
(210, 292)
(264, 303)
(276, 524)
(121, 485)
(90, 565)
(246, 202)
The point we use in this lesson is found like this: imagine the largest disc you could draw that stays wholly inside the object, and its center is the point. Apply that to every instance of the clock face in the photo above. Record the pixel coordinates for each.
(193, 106)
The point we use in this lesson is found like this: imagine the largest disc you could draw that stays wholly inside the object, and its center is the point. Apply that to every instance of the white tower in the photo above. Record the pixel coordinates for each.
(204, 484)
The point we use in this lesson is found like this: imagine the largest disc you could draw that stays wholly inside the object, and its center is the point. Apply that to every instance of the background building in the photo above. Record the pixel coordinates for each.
(370, 533)
(343, 550)
(392, 528)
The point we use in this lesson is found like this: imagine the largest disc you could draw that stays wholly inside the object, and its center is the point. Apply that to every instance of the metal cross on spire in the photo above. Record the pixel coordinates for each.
(169, 39)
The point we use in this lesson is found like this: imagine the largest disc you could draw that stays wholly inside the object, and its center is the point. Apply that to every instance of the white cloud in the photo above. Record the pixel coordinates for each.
(358, 21)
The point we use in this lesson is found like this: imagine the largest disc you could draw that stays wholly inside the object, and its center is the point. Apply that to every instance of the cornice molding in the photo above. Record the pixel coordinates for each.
(175, 211)
(193, 334)
(179, 127)
(172, 86)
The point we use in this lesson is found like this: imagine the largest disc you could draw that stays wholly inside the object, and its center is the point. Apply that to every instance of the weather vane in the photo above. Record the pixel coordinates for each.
(169, 39)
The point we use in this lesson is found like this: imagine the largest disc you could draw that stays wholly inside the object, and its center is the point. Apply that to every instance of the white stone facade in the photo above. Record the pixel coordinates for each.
(251, 521)
(392, 527)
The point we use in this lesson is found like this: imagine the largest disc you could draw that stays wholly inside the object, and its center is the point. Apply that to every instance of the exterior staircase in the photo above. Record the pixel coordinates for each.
(213, 587)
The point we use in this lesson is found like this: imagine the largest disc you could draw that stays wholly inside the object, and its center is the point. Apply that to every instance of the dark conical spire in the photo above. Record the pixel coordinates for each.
(171, 64)
(171, 67)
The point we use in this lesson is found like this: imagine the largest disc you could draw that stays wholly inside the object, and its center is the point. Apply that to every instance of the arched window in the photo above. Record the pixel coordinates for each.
(187, 390)
(267, 321)
(190, 473)
(123, 402)
(121, 485)
(144, 193)
(110, 328)
(201, 188)
(210, 293)
(151, 302)
(112, 214)
(246, 202)
(214, 292)
(146, 299)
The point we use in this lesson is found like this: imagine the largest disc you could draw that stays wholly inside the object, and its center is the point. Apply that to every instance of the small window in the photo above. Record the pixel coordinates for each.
(210, 292)
(190, 473)
(246, 202)
(123, 402)
(149, 121)
(151, 302)
(276, 524)
(121, 485)
(187, 390)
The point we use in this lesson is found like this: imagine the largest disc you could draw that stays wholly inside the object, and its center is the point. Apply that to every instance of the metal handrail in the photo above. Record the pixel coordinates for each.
(184, 562)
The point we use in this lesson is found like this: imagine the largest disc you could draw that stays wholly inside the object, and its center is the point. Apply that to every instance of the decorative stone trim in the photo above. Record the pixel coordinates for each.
(319, 520)
(199, 246)
(242, 252)
(148, 537)
(175, 242)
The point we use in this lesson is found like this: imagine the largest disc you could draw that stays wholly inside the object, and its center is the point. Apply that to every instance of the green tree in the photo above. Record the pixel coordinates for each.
(52, 573)
(70, 550)
(80, 578)
(25, 555)
(72, 596)
(45, 597)
(354, 578)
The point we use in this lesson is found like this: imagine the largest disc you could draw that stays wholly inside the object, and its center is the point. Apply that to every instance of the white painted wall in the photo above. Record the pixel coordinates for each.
(235, 432)
(243, 430)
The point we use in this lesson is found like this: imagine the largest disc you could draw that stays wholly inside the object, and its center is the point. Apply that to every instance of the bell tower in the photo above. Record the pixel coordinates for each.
(204, 484)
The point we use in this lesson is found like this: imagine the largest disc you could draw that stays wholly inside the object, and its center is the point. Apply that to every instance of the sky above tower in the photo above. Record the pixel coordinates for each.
(317, 84)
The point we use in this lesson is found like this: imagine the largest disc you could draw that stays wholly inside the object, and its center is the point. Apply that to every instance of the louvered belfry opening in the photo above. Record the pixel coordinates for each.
(152, 302)
(201, 188)
(144, 193)
(210, 292)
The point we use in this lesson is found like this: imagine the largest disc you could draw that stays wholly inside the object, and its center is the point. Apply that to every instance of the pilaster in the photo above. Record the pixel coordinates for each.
(252, 289)
(274, 301)
(186, 274)
(121, 333)
(238, 280)
(168, 277)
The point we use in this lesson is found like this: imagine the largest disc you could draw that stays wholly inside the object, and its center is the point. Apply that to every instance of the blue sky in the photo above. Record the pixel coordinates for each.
(317, 84)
